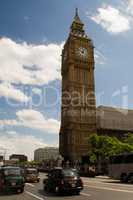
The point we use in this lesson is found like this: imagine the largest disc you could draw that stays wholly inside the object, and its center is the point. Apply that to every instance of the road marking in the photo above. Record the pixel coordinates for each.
(85, 194)
(30, 184)
(109, 183)
(33, 195)
(106, 188)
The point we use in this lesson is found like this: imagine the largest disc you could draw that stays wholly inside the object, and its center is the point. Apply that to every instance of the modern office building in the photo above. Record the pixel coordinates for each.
(47, 153)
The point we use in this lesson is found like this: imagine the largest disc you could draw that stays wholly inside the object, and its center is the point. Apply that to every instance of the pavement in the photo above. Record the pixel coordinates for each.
(99, 188)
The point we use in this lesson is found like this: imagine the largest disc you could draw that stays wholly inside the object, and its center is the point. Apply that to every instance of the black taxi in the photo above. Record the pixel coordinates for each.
(63, 180)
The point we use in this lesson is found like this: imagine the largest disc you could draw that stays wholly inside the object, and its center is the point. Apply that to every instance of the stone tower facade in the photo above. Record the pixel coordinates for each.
(78, 111)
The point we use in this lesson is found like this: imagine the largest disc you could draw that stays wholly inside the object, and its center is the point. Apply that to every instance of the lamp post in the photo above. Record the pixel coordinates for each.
(3, 153)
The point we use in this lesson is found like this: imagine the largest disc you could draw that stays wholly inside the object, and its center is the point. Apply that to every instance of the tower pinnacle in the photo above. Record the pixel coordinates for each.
(76, 18)
(77, 27)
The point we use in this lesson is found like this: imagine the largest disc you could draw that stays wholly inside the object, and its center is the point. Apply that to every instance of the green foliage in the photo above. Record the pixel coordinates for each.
(28, 163)
(129, 139)
(93, 158)
(102, 147)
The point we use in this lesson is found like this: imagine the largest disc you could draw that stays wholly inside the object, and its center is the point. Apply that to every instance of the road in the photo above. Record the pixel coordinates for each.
(99, 188)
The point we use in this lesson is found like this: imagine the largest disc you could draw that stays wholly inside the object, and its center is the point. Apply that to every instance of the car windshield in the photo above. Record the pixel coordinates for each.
(70, 172)
(12, 172)
(32, 171)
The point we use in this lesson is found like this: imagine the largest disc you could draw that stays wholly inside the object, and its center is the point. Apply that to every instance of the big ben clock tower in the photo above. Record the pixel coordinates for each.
(78, 111)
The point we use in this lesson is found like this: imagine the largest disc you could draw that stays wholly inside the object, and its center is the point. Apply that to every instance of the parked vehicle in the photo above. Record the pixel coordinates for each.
(88, 170)
(121, 167)
(31, 175)
(63, 180)
(11, 179)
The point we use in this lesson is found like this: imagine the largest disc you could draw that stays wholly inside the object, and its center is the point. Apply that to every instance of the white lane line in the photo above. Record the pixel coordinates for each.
(35, 196)
(85, 194)
(109, 183)
(85, 181)
(30, 184)
(112, 189)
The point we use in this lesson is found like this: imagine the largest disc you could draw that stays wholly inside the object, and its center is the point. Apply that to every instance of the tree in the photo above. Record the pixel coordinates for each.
(129, 139)
(102, 147)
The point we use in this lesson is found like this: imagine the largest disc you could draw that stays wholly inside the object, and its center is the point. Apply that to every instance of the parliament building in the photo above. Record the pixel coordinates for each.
(79, 115)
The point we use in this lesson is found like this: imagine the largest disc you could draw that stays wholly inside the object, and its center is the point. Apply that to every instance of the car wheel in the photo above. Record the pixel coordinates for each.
(57, 190)
(78, 192)
(22, 190)
(131, 178)
(124, 178)
(19, 190)
(45, 188)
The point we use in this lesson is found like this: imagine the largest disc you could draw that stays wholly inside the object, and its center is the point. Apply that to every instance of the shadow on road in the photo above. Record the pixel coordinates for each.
(117, 182)
(47, 194)
(50, 194)
(8, 193)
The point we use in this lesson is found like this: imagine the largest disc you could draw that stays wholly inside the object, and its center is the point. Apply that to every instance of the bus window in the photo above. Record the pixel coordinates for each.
(121, 167)
(118, 159)
(129, 158)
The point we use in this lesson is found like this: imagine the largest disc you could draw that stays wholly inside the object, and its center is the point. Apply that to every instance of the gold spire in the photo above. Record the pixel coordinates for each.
(77, 25)
(76, 18)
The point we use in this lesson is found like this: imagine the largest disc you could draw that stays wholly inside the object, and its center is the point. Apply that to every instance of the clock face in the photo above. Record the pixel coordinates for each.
(82, 52)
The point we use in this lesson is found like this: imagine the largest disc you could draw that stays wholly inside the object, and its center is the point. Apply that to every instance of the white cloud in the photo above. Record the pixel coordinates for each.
(20, 144)
(130, 6)
(10, 92)
(8, 122)
(37, 91)
(28, 63)
(99, 57)
(29, 115)
(33, 119)
(26, 144)
(112, 19)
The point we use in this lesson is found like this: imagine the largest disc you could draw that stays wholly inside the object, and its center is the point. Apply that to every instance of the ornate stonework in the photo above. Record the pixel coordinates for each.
(78, 112)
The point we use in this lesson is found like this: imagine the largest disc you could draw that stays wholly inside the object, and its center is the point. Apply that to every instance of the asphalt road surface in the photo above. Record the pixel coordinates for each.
(99, 188)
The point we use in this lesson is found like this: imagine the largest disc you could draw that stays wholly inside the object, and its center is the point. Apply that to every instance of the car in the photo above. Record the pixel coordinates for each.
(63, 180)
(31, 175)
(11, 179)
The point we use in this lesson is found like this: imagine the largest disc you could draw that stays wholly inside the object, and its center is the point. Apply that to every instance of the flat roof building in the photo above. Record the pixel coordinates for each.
(19, 157)
(114, 121)
(46, 153)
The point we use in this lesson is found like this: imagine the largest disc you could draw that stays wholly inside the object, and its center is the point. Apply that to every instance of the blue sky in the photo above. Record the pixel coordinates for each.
(32, 35)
